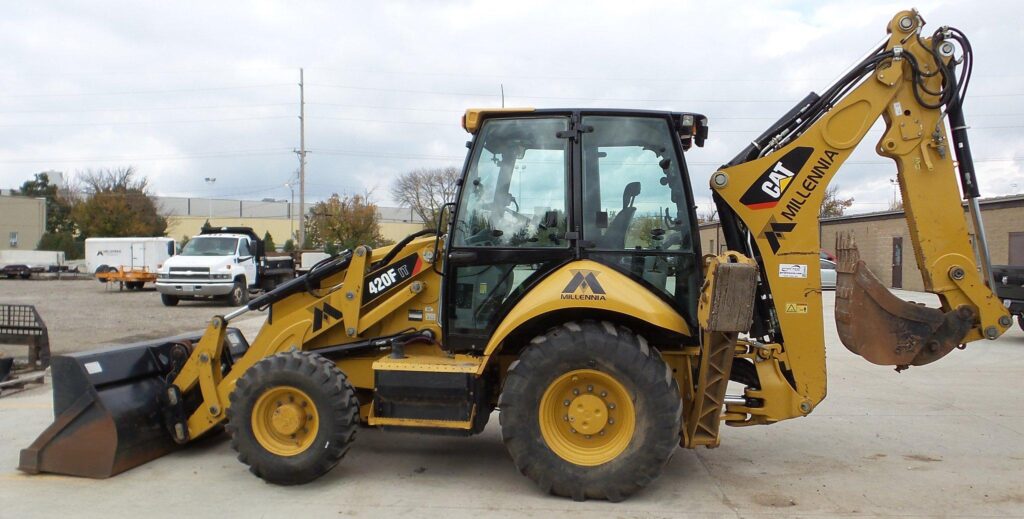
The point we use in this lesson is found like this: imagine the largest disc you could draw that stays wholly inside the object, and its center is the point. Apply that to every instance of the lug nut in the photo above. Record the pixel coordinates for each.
(566, 403)
(590, 389)
(575, 391)
(611, 421)
(611, 406)
(604, 394)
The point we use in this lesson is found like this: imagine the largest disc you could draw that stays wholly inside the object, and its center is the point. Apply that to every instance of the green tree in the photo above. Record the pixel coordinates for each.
(344, 222)
(289, 246)
(184, 241)
(117, 203)
(62, 241)
(58, 206)
(268, 242)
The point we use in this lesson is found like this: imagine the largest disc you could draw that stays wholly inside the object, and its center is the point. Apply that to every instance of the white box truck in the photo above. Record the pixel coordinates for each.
(130, 261)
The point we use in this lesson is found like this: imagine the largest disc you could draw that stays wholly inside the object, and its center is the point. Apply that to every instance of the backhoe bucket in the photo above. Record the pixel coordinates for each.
(884, 329)
(108, 408)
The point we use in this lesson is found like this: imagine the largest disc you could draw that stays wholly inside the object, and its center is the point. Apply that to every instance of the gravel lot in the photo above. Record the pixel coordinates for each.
(943, 440)
(85, 314)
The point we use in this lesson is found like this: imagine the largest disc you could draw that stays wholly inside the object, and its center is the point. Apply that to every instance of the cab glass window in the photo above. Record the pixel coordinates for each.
(514, 194)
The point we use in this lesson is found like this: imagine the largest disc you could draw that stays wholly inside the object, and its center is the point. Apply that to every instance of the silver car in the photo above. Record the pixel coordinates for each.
(828, 274)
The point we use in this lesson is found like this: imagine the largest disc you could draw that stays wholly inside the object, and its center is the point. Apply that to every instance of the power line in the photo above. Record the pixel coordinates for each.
(141, 92)
(198, 155)
(564, 98)
(146, 123)
(145, 109)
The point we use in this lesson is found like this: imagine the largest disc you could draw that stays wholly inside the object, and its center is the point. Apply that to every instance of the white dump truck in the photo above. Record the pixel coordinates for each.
(222, 262)
(131, 261)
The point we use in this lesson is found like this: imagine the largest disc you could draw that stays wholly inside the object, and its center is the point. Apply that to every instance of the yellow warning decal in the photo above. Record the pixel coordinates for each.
(796, 308)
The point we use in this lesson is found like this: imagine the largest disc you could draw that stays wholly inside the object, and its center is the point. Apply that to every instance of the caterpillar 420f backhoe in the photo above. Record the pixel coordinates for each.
(566, 289)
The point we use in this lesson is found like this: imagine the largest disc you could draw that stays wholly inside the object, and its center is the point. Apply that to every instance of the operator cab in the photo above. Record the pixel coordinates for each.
(545, 187)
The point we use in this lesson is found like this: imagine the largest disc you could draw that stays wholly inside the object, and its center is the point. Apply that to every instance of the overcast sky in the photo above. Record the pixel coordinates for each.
(185, 91)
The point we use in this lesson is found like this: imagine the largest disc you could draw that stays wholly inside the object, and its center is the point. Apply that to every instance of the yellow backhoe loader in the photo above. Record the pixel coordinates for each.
(566, 289)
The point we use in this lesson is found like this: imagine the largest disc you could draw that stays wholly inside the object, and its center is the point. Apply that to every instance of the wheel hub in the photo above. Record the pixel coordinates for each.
(588, 414)
(288, 419)
(285, 420)
(587, 417)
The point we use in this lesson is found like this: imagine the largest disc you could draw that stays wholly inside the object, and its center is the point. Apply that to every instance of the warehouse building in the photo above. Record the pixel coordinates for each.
(22, 221)
(186, 216)
(884, 240)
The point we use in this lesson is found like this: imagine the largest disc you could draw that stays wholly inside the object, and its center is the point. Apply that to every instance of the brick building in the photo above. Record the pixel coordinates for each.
(884, 241)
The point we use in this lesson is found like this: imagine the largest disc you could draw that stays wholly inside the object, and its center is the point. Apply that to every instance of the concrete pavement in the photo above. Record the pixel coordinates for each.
(945, 440)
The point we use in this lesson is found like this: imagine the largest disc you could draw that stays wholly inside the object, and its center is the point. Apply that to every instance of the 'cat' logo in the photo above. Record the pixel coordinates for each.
(770, 186)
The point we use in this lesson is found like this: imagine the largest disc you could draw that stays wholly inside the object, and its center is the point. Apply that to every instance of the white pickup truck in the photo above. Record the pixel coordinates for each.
(221, 262)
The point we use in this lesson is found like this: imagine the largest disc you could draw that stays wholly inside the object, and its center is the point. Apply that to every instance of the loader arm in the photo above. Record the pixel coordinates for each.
(769, 198)
(326, 315)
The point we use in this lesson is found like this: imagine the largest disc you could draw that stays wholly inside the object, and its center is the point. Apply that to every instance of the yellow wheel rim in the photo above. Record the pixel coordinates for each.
(587, 417)
(285, 421)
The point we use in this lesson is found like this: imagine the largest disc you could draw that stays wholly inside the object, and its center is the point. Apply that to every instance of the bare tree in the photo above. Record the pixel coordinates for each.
(832, 205)
(425, 190)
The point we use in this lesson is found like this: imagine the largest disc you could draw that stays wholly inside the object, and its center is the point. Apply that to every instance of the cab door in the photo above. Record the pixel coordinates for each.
(636, 210)
(247, 261)
(509, 226)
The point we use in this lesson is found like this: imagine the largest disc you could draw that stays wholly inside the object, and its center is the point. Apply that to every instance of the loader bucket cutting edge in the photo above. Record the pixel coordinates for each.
(108, 415)
(884, 329)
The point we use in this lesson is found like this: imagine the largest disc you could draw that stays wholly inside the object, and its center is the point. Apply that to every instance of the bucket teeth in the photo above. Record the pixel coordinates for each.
(884, 329)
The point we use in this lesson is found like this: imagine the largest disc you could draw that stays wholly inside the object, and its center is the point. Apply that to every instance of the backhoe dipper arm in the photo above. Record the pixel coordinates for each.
(769, 198)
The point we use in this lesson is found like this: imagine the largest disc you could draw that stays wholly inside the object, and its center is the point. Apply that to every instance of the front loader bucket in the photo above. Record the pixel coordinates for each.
(884, 329)
(108, 410)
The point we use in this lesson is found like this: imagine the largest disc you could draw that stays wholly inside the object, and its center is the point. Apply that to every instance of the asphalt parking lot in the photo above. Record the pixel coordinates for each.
(945, 440)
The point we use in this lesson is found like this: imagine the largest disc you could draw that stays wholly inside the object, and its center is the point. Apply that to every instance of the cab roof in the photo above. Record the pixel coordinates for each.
(691, 123)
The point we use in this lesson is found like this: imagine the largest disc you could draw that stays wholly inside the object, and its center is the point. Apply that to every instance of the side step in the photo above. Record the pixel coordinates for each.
(428, 392)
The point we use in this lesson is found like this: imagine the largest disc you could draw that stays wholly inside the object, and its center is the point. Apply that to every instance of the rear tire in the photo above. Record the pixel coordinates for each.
(100, 270)
(169, 300)
(1020, 321)
(603, 371)
(267, 429)
(239, 294)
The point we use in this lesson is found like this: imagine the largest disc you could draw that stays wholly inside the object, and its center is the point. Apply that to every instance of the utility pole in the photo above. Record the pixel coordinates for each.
(302, 161)
(503, 95)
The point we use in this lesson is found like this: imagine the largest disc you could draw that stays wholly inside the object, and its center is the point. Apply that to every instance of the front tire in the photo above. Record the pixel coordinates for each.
(169, 300)
(293, 417)
(590, 411)
(239, 294)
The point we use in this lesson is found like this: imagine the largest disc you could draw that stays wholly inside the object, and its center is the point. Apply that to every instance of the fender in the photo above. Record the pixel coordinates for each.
(587, 284)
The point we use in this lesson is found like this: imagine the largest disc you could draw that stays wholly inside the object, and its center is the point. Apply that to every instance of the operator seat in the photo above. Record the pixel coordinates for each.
(615, 236)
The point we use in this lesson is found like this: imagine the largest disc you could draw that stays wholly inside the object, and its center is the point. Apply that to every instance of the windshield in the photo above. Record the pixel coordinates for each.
(210, 246)
(514, 195)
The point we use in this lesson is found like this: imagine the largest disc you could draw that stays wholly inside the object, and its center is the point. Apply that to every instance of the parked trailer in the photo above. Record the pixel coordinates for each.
(132, 261)
(22, 263)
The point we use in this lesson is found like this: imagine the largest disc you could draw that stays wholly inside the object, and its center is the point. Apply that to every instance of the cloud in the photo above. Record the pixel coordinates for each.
(208, 89)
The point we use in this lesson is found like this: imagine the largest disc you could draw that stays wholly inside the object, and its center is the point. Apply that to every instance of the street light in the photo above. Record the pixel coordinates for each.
(209, 199)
